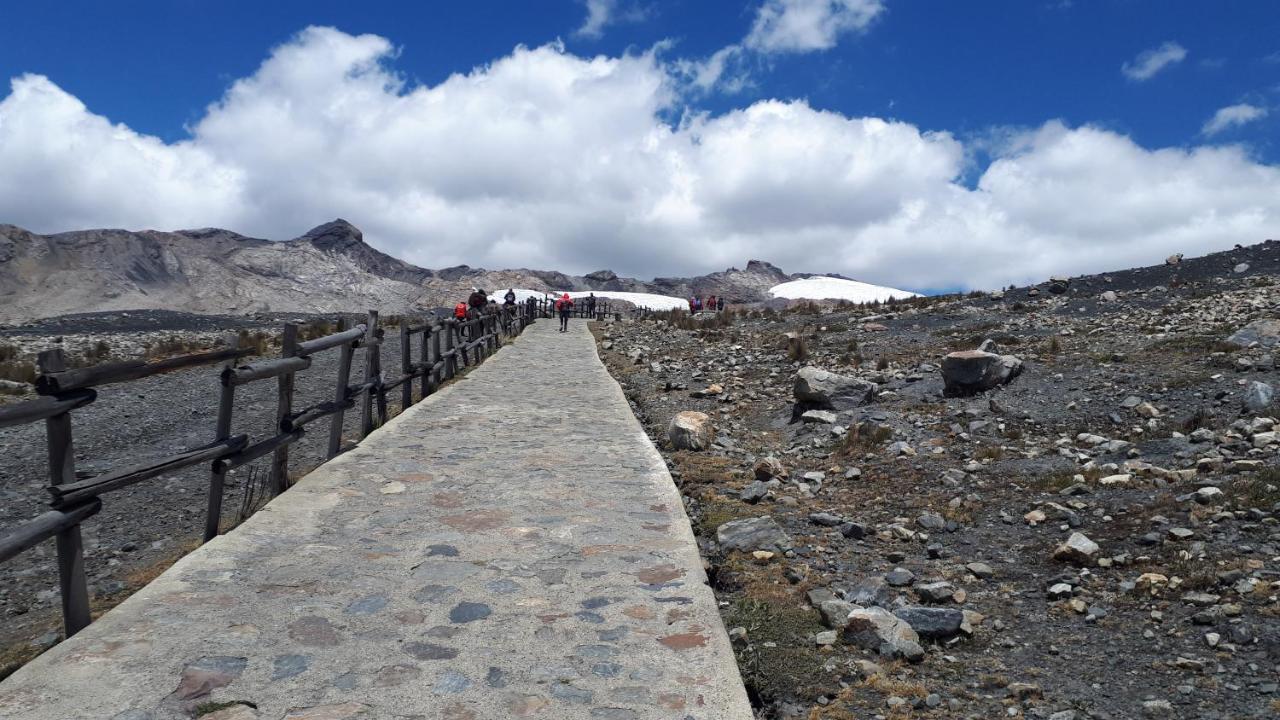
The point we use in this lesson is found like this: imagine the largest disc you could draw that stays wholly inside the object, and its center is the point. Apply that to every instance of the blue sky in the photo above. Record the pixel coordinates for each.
(958, 66)
(1064, 92)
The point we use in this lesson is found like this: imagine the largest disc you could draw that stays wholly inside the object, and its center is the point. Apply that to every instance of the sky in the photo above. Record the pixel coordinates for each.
(913, 144)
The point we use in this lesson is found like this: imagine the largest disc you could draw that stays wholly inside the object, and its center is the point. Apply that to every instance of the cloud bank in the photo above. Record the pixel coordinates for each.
(549, 160)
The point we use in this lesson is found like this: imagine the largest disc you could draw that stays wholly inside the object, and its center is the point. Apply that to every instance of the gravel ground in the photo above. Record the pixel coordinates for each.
(1128, 425)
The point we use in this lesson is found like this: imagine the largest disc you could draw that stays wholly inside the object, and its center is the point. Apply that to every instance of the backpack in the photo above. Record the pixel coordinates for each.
(460, 311)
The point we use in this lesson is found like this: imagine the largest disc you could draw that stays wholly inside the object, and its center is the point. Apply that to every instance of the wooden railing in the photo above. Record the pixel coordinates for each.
(582, 308)
(445, 346)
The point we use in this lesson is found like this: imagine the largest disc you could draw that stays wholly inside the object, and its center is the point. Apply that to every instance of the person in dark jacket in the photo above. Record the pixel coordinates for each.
(510, 297)
(478, 300)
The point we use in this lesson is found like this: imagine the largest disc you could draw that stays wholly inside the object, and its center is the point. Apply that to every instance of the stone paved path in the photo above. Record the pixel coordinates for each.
(512, 547)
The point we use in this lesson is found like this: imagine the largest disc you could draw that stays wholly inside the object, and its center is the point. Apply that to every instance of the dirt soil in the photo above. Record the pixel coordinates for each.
(1128, 426)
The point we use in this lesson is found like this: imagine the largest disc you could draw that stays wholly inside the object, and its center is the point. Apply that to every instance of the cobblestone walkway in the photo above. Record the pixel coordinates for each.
(512, 547)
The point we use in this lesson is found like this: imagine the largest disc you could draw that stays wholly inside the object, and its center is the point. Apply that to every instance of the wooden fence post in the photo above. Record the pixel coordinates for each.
(340, 395)
(429, 338)
(370, 372)
(451, 362)
(406, 366)
(218, 474)
(70, 545)
(284, 406)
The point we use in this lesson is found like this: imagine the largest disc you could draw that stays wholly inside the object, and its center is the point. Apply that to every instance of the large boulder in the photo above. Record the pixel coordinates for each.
(1264, 332)
(816, 387)
(691, 430)
(879, 630)
(969, 372)
(757, 533)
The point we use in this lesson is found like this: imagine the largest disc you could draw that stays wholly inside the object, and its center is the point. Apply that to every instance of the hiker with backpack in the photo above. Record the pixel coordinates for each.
(510, 297)
(564, 306)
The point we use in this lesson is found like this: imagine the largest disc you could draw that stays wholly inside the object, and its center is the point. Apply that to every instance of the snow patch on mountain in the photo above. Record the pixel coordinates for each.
(829, 288)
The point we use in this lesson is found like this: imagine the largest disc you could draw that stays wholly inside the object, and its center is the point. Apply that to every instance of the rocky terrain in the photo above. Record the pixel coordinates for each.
(328, 269)
(1080, 520)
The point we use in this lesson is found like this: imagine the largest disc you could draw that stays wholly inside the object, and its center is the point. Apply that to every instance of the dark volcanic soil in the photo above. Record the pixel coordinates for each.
(1126, 426)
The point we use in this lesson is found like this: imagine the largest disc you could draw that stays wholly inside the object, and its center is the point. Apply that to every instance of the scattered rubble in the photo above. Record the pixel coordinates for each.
(1077, 520)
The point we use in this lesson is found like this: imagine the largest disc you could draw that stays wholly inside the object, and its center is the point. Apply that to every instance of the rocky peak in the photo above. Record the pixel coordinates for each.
(768, 268)
(338, 235)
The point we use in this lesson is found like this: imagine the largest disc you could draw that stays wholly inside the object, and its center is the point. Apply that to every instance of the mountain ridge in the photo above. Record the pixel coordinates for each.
(329, 268)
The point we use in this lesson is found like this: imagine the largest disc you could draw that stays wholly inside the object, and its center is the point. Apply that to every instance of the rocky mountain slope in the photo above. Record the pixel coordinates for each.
(1096, 535)
(329, 269)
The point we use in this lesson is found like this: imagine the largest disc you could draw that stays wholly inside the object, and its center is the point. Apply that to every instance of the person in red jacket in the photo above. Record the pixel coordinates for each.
(564, 306)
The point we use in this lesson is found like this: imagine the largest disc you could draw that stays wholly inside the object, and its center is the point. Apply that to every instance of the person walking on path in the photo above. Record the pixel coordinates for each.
(564, 306)
(711, 303)
(510, 297)
(720, 304)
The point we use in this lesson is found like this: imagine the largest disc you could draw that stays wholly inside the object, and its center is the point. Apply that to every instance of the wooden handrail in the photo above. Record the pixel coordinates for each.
(63, 390)
(68, 380)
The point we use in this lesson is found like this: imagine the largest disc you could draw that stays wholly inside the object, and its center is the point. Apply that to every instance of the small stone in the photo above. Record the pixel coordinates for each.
(900, 577)
(691, 430)
(980, 570)
(758, 533)
(466, 612)
(1078, 549)
(931, 521)
(935, 592)
(876, 629)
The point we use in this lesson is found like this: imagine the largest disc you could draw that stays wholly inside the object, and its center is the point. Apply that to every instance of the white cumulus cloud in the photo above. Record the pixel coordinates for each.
(1233, 116)
(807, 25)
(1150, 62)
(545, 159)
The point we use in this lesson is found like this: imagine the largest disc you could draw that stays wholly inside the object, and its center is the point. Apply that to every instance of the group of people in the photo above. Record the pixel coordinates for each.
(711, 304)
(479, 303)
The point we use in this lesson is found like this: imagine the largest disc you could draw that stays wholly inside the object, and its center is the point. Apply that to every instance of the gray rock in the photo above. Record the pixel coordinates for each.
(759, 533)
(769, 468)
(853, 530)
(819, 416)
(830, 391)
(931, 521)
(1078, 550)
(755, 492)
(1265, 332)
(932, 623)
(935, 592)
(900, 577)
(691, 430)
(825, 519)
(970, 372)
(1258, 396)
(835, 612)
(876, 629)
